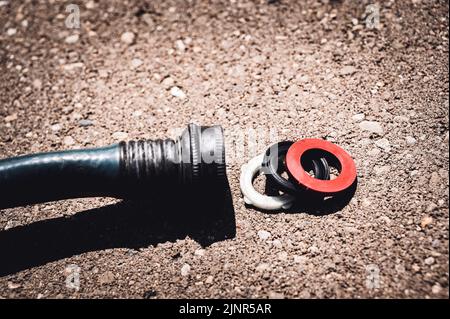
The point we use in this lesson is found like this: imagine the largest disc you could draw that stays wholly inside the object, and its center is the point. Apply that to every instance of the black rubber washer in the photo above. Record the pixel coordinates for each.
(274, 163)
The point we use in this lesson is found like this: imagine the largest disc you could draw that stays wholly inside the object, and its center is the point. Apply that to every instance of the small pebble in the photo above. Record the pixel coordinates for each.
(128, 37)
(436, 289)
(37, 84)
(137, 113)
(10, 224)
(348, 70)
(68, 141)
(106, 278)
(282, 255)
(120, 135)
(374, 152)
(11, 118)
(199, 252)
(275, 295)
(277, 243)
(299, 259)
(103, 74)
(372, 127)
(168, 82)
(262, 267)
(386, 96)
(73, 66)
(415, 268)
(177, 92)
(385, 219)
(179, 44)
(185, 270)
(429, 261)
(410, 140)
(90, 5)
(12, 285)
(314, 250)
(56, 127)
(11, 31)
(71, 39)
(264, 235)
(383, 144)
(135, 63)
(358, 117)
(427, 220)
(84, 123)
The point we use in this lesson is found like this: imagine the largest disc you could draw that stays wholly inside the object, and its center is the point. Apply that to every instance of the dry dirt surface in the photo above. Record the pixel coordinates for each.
(325, 69)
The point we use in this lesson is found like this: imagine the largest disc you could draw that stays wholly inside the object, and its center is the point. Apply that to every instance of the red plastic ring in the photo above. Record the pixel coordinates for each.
(346, 176)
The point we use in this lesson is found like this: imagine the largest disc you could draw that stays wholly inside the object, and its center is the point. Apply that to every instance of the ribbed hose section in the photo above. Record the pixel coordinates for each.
(149, 165)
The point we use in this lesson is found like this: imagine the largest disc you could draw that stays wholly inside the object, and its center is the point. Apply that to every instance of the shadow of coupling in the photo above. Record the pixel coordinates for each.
(193, 162)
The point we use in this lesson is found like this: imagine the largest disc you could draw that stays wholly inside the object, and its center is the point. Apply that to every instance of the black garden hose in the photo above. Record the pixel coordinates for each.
(140, 169)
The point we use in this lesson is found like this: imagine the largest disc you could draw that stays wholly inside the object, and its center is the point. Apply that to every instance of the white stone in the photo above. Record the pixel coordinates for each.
(299, 259)
(262, 267)
(185, 270)
(71, 39)
(56, 127)
(37, 84)
(429, 261)
(120, 135)
(358, 117)
(263, 234)
(348, 70)
(135, 63)
(282, 255)
(177, 92)
(11, 118)
(168, 82)
(73, 66)
(383, 144)
(277, 243)
(410, 140)
(436, 289)
(314, 250)
(11, 31)
(68, 141)
(127, 37)
(199, 252)
(90, 5)
(372, 127)
(179, 44)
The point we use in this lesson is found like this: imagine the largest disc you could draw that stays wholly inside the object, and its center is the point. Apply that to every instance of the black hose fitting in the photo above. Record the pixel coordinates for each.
(136, 169)
(275, 162)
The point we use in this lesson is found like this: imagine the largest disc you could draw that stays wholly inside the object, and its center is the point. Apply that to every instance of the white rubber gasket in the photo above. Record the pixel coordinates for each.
(252, 197)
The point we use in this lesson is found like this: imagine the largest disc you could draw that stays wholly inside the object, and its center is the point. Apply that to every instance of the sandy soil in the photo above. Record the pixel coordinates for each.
(304, 68)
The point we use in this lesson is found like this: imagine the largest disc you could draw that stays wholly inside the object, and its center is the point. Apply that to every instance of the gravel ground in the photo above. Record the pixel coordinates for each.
(142, 69)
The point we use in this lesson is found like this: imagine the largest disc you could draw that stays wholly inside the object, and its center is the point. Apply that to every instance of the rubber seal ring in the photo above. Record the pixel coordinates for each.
(252, 197)
(274, 162)
(346, 166)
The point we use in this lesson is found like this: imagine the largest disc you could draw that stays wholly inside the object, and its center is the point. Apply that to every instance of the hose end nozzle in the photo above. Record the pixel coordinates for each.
(203, 155)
